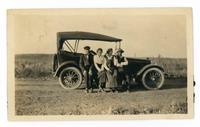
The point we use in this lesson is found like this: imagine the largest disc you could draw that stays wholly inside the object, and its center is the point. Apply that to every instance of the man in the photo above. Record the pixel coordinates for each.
(86, 63)
(120, 61)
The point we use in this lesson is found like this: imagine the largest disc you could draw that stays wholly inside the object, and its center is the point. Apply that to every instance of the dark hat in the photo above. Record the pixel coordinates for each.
(87, 47)
(120, 50)
(108, 50)
(100, 49)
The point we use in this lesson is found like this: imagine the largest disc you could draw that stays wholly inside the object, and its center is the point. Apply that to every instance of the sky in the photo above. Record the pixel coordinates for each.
(143, 35)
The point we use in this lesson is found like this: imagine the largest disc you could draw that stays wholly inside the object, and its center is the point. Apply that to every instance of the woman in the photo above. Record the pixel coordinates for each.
(111, 82)
(99, 66)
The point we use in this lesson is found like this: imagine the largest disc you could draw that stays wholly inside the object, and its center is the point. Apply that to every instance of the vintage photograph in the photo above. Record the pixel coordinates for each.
(100, 63)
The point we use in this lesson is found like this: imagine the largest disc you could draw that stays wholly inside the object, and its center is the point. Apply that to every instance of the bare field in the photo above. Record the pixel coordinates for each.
(48, 98)
(38, 93)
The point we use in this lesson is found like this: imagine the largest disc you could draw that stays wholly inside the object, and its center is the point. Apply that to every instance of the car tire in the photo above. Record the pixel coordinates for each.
(70, 78)
(153, 79)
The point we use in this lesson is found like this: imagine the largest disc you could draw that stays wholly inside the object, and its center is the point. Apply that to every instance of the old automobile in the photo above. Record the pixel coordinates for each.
(66, 63)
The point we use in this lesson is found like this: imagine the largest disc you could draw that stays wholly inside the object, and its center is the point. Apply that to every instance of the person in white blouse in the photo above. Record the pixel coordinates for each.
(99, 62)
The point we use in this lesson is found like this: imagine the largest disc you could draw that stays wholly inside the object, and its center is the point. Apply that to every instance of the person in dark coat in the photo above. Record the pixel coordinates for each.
(86, 63)
(120, 61)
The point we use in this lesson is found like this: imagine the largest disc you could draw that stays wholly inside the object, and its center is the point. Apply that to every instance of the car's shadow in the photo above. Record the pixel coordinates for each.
(169, 84)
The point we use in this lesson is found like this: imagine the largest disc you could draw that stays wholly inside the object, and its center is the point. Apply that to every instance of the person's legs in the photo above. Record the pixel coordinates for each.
(109, 82)
(112, 82)
(93, 77)
(102, 80)
(123, 79)
(91, 86)
(86, 78)
(127, 81)
(100, 84)
(119, 79)
(115, 80)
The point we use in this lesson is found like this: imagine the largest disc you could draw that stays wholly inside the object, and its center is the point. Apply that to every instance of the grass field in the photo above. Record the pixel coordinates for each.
(40, 66)
(33, 66)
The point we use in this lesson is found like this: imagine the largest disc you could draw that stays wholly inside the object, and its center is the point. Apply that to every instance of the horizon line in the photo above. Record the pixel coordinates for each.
(127, 56)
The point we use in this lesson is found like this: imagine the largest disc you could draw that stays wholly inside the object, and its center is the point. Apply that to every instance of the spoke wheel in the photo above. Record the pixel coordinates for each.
(70, 78)
(153, 79)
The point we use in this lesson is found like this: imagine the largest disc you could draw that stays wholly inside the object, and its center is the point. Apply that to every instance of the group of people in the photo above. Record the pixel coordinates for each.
(106, 70)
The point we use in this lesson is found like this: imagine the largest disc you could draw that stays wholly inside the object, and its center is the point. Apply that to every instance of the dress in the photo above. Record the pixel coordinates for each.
(111, 82)
(99, 65)
(101, 75)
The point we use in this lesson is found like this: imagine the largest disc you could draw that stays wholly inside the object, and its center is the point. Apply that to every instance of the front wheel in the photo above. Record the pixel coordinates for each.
(153, 79)
(70, 78)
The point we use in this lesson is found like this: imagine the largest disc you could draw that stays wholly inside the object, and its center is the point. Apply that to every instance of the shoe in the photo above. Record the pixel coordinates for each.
(103, 91)
(91, 90)
(100, 90)
(86, 91)
(116, 91)
(113, 90)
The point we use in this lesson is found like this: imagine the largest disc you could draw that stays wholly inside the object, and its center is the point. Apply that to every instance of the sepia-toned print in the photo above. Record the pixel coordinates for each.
(94, 64)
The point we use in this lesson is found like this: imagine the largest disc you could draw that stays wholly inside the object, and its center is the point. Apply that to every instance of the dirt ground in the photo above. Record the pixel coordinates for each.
(37, 97)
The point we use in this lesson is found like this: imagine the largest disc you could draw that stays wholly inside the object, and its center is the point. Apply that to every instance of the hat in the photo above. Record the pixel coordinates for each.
(108, 50)
(120, 50)
(100, 49)
(87, 47)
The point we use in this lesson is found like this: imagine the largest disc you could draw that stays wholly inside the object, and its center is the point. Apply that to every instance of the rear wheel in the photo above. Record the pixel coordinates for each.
(70, 78)
(153, 79)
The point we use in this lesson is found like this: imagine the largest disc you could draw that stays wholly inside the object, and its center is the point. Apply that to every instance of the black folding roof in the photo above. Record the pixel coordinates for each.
(77, 35)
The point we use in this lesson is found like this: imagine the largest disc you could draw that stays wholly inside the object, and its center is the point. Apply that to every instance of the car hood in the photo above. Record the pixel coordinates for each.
(139, 60)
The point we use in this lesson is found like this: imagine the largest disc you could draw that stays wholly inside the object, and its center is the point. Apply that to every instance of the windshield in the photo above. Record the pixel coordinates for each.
(77, 46)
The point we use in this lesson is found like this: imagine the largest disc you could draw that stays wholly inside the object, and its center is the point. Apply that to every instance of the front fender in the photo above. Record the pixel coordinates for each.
(147, 67)
(64, 65)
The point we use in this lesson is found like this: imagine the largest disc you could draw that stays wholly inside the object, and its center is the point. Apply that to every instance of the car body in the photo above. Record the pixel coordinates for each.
(66, 63)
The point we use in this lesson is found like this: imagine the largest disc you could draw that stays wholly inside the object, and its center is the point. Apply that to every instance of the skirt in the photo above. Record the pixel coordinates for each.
(102, 77)
(111, 80)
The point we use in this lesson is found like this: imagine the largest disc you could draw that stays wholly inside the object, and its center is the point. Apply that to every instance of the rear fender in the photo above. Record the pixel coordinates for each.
(64, 65)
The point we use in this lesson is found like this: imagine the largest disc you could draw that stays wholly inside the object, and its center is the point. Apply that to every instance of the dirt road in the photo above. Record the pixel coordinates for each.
(49, 98)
